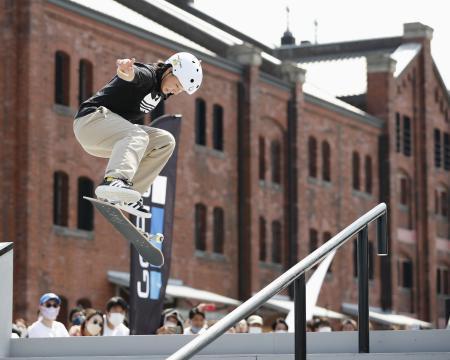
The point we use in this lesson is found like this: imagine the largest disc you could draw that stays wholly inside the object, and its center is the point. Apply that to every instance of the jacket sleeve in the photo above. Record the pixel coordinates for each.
(143, 76)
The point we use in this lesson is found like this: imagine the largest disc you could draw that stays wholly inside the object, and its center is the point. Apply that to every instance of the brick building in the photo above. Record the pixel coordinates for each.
(270, 165)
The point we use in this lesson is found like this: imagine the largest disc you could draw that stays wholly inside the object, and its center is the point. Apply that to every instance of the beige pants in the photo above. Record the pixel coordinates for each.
(136, 152)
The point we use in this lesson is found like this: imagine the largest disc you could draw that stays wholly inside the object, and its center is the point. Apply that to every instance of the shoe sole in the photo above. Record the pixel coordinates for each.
(133, 211)
(112, 193)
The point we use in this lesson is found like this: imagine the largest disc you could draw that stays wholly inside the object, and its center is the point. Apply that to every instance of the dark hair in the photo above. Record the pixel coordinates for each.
(73, 311)
(89, 313)
(196, 311)
(279, 321)
(116, 301)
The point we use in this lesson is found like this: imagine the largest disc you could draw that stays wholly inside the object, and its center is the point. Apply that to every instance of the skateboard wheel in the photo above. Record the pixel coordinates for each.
(159, 237)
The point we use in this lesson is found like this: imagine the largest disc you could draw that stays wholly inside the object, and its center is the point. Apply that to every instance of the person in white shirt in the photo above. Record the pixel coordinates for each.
(46, 325)
(116, 309)
(197, 321)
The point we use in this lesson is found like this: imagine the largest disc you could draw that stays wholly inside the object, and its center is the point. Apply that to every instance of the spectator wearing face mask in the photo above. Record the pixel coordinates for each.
(76, 318)
(116, 309)
(241, 327)
(93, 323)
(172, 323)
(21, 326)
(197, 321)
(323, 325)
(46, 325)
(280, 326)
(255, 324)
(349, 325)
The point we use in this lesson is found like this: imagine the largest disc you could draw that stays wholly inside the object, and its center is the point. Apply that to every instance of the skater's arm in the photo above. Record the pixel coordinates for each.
(125, 69)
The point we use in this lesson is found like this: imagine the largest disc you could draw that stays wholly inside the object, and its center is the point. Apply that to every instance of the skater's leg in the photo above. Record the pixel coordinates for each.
(104, 132)
(160, 148)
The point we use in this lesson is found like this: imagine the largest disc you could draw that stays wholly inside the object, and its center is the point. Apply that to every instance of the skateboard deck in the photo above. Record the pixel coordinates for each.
(144, 243)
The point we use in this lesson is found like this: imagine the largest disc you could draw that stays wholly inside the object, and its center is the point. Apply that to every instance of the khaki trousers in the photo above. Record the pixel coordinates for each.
(136, 152)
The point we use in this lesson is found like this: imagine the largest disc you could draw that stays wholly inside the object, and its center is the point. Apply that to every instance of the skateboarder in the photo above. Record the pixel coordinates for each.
(106, 125)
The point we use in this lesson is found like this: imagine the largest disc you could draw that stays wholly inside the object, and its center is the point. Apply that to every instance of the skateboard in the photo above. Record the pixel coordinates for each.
(145, 244)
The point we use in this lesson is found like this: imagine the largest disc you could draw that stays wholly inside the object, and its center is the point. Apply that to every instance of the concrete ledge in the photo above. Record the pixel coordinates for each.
(388, 342)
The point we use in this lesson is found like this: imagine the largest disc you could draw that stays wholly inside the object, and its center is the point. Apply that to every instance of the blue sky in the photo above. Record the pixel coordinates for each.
(265, 20)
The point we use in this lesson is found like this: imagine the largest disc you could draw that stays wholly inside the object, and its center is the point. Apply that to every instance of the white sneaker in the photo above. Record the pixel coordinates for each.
(117, 190)
(137, 209)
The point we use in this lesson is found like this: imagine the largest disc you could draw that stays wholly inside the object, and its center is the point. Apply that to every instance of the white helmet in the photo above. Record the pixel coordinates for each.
(188, 70)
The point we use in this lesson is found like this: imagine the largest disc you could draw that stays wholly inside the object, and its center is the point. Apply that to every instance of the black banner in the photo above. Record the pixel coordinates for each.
(148, 283)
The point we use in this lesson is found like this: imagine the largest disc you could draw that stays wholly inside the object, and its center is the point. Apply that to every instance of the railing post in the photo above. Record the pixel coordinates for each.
(363, 290)
(382, 235)
(300, 317)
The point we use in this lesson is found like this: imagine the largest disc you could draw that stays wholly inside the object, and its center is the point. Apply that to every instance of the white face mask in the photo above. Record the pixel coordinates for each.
(280, 331)
(254, 330)
(50, 313)
(94, 329)
(325, 329)
(116, 318)
(170, 324)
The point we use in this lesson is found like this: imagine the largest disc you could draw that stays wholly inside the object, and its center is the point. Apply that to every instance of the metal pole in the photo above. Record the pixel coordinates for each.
(280, 283)
(300, 317)
(382, 235)
(363, 290)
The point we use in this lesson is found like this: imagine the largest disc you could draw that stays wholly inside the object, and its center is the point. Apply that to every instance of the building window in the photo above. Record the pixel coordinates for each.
(85, 208)
(275, 150)
(444, 204)
(218, 127)
(60, 198)
(326, 237)
(312, 157)
(446, 151)
(62, 78)
(355, 170)
(262, 240)
(406, 274)
(326, 161)
(200, 227)
(276, 242)
(262, 158)
(398, 131)
(404, 191)
(406, 136)
(219, 230)
(200, 122)
(437, 148)
(313, 240)
(85, 81)
(368, 174)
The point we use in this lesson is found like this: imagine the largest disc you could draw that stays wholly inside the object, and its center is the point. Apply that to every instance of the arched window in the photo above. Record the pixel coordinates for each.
(200, 227)
(262, 158)
(60, 198)
(85, 208)
(85, 80)
(407, 136)
(312, 157)
(276, 161)
(355, 170)
(262, 240)
(326, 161)
(218, 127)
(200, 122)
(62, 78)
(405, 275)
(219, 229)
(276, 242)
(368, 174)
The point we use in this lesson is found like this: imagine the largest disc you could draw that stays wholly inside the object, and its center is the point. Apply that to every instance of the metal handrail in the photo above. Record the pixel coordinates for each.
(284, 280)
